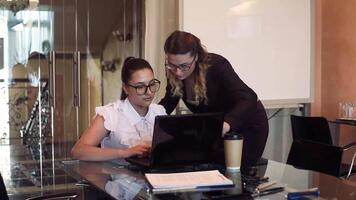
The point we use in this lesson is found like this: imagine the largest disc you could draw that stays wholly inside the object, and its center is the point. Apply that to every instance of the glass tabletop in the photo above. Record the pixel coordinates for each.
(124, 182)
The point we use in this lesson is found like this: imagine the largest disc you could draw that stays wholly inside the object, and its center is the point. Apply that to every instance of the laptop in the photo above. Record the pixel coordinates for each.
(182, 140)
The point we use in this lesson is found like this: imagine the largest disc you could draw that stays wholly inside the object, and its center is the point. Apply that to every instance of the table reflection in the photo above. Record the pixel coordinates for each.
(128, 185)
(125, 187)
(236, 178)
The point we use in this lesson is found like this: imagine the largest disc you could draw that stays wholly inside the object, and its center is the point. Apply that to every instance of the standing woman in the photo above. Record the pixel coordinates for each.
(206, 82)
(124, 127)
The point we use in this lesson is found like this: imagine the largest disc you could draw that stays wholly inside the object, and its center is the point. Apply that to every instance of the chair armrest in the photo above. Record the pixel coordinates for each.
(348, 146)
(63, 196)
(351, 166)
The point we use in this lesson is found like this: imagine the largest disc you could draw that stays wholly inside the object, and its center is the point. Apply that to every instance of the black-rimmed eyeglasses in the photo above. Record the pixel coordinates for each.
(183, 67)
(153, 85)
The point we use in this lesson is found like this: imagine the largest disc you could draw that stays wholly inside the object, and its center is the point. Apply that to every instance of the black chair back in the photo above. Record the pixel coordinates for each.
(311, 128)
(315, 156)
(313, 149)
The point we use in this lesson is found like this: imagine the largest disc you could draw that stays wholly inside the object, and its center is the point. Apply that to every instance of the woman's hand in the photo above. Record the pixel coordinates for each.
(226, 127)
(140, 150)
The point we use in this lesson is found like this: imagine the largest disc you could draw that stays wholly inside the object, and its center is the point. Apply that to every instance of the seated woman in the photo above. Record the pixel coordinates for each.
(123, 127)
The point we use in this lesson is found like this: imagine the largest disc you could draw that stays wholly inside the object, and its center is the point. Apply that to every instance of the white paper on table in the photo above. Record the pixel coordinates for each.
(188, 179)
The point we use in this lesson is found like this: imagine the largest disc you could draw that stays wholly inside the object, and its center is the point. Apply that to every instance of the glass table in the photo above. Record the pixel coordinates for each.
(125, 182)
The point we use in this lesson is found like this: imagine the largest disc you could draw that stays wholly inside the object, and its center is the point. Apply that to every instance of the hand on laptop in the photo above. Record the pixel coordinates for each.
(140, 150)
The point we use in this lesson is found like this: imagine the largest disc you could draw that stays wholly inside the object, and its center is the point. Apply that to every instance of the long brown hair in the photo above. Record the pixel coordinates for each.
(180, 42)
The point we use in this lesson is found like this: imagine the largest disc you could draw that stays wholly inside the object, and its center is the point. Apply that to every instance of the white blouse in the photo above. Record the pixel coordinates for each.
(127, 128)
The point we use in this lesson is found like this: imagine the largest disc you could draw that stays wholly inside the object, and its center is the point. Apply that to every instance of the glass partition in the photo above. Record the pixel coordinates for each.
(59, 59)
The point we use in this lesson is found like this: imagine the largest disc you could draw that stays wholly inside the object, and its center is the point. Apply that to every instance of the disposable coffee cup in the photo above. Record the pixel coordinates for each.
(233, 144)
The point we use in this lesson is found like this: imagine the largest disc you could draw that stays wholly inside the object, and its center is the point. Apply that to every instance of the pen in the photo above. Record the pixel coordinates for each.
(265, 185)
(268, 192)
(297, 195)
(216, 186)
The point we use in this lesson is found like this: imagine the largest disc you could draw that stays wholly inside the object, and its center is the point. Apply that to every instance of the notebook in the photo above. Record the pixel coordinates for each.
(188, 181)
(187, 139)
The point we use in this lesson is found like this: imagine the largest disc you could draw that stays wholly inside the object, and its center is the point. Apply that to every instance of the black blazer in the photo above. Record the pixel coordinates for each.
(226, 93)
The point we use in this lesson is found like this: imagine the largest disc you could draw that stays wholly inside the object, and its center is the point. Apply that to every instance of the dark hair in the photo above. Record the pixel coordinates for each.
(180, 42)
(130, 66)
(36, 55)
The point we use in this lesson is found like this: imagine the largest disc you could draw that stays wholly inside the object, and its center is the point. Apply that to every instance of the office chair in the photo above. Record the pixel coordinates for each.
(311, 128)
(312, 148)
(60, 196)
(3, 193)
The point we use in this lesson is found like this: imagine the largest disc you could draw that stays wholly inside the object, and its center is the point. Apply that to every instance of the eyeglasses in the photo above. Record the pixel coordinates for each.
(183, 67)
(153, 85)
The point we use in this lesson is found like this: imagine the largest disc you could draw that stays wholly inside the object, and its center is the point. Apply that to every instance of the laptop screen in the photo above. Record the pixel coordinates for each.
(186, 139)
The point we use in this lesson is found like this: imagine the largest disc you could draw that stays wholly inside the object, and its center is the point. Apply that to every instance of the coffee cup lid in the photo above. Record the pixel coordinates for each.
(232, 136)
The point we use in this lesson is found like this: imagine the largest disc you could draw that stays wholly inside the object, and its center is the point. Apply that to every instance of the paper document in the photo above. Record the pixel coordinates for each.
(188, 180)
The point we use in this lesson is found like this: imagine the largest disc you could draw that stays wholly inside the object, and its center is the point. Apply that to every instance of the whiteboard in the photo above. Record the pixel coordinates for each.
(268, 42)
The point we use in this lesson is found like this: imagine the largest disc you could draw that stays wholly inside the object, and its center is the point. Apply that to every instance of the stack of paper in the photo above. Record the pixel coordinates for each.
(188, 180)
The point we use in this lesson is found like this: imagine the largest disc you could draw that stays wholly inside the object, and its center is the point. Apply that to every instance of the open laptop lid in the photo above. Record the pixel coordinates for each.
(186, 139)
